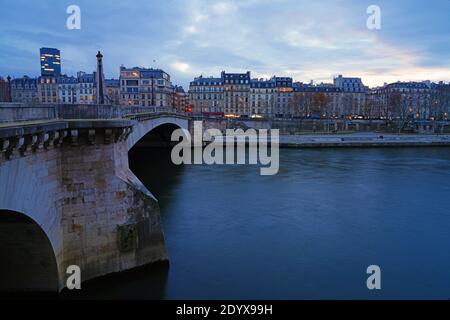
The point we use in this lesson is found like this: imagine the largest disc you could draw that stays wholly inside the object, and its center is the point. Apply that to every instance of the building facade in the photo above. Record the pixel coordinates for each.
(86, 88)
(48, 91)
(180, 99)
(206, 95)
(353, 99)
(283, 95)
(403, 100)
(376, 108)
(24, 90)
(145, 87)
(316, 101)
(440, 101)
(67, 90)
(112, 91)
(5, 89)
(236, 94)
(262, 98)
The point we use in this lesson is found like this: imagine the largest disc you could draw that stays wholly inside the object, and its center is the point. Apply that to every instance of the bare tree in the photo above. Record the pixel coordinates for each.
(399, 109)
(368, 109)
(320, 104)
(299, 105)
(440, 103)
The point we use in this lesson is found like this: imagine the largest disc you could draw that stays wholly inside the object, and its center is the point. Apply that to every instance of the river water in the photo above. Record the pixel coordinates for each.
(309, 232)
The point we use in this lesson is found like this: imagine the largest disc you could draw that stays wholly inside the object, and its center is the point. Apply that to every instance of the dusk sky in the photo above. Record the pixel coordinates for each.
(308, 40)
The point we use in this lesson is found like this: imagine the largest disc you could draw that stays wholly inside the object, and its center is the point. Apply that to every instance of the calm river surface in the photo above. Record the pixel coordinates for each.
(308, 233)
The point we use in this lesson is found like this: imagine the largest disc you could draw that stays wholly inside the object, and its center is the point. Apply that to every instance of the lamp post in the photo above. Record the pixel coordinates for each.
(100, 80)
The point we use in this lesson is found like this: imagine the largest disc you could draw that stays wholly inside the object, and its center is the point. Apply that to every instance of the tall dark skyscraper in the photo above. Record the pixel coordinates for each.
(50, 62)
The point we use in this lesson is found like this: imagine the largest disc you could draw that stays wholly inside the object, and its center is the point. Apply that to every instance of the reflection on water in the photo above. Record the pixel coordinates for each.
(308, 233)
(143, 283)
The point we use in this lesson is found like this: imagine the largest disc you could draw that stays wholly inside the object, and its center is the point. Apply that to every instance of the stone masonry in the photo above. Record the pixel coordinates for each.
(72, 178)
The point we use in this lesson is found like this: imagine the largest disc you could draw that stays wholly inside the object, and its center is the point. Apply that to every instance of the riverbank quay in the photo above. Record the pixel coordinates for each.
(364, 140)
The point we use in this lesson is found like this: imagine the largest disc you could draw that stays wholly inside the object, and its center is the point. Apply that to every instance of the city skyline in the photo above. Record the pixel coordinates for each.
(308, 41)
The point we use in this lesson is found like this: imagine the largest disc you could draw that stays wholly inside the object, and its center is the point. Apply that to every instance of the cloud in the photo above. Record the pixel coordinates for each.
(296, 39)
(180, 67)
(299, 38)
(191, 29)
(223, 8)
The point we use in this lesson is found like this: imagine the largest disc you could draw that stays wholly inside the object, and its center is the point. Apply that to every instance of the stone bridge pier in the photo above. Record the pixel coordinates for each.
(68, 197)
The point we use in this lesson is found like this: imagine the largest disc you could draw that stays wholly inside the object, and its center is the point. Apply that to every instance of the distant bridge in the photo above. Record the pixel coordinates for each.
(68, 197)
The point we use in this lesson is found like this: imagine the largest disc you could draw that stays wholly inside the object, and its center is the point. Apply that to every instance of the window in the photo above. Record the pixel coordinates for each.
(132, 82)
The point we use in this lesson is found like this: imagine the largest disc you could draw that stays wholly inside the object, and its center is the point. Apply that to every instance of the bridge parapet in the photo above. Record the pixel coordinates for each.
(144, 116)
(16, 112)
(24, 139)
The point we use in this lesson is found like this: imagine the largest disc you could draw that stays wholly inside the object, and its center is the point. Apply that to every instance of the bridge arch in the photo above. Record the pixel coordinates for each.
(150, 143)
(28, 262)
(157, 127)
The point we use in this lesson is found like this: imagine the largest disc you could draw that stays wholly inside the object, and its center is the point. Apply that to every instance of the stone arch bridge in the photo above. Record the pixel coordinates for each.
(68, 197)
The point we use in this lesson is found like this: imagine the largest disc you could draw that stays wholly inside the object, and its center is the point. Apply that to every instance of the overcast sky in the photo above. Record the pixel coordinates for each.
(308, 40)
